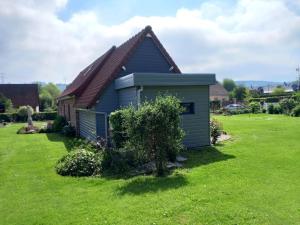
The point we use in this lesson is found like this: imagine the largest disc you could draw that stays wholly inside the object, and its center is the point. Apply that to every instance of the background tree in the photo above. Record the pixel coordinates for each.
(239, 93)
(48, 95)
(6, 103)
(278, 90)
(229, 84)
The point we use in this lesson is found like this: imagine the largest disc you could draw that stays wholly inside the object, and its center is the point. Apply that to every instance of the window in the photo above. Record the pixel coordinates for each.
(188, 107)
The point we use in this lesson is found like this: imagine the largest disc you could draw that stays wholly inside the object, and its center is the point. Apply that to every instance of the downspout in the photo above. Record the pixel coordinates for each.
(139, 90)
(101, 113)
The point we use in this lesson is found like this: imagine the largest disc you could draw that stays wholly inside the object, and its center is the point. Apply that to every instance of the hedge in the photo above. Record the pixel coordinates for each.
(14, 117)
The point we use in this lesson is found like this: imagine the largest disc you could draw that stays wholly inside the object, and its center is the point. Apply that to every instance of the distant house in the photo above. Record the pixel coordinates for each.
(21, 94)
(218, 92)
(137, 70)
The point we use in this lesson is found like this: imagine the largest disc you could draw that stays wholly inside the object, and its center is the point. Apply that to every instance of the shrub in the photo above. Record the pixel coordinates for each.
(272, 99)
(296, 111)
(22, 111)
(44, 116)
(117, 120)
(254, 107)
(277, 109)
(271, 108)
(153, 130)
(5, 103)
(118, 161)
(14, 117)
(287, 105)
(69, 131)
(59, 123)
(215, 130)
(78, 163)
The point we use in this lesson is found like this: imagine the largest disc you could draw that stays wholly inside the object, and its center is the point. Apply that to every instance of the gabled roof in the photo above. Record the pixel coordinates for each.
(21, 94)
(88, 89)
(218, 90)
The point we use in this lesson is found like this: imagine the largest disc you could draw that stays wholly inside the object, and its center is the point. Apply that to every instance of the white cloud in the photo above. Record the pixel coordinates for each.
(253, 40)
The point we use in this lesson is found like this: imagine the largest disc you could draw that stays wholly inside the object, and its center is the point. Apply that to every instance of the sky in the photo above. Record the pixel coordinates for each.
(53, 40)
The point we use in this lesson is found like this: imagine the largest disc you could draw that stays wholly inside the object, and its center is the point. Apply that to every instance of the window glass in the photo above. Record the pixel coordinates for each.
(188, 107)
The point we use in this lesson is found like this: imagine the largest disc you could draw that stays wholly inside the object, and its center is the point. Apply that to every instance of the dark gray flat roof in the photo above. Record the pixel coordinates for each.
(164, 79)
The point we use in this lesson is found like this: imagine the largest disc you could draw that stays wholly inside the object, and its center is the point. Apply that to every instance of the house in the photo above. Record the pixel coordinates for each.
(138, 69)
(218, 92)
(21, 94)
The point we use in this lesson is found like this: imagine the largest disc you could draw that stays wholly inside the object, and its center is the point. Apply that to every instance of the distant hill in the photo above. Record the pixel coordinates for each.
(257, 83)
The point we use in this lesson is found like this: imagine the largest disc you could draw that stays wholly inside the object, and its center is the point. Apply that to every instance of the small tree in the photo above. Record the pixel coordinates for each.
(6, 103)
(240, 93)
(287, 105)
(254, 107)
(152, 130)
(229, 84)
(215, 130)
(278, 90)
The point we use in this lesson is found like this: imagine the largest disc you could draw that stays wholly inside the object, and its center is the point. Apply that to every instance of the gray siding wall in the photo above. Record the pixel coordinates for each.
(146, 58)
(87, 125)
(196, 126)
(128, 96)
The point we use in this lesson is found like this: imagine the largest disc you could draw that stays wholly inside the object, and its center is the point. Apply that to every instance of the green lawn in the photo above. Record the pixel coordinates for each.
(253, 179)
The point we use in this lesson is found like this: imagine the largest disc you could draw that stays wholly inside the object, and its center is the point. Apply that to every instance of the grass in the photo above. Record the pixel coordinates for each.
(252, 179)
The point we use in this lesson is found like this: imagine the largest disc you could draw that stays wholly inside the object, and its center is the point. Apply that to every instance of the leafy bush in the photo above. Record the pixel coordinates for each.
(59, 123)
(153, 130)
(6, 103)
(117, 120)
(271, 108)
(22, 111)
(287, 105)
(254, 107)
(215, 130)
(296, 111)
(277, 109)
(119, 161)
(69, 131)
(41, 116)
(14, 117)
(78, 163)
(272, 99)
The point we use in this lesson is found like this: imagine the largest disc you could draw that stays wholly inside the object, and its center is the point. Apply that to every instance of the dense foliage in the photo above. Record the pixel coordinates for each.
(287, 105)
(59, 123)
(239, 93)
(229, 84)
(254, 107)
(5, 103)
(78, 163)
(152, 130)
(296, 111)
(278, 90)
(14, 117)
(48, 95)
(215, 130)
(23, 111)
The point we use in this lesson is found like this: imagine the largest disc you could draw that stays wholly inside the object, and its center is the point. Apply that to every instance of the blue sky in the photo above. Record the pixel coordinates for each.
(53, 40)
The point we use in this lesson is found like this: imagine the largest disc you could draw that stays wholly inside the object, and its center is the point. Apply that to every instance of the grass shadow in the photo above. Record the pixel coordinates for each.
(151, 184)
(205, 156)
(56, 137)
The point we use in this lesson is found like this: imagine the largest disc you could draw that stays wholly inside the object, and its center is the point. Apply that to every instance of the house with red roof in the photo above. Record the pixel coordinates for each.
(21, 94)
(137, 70)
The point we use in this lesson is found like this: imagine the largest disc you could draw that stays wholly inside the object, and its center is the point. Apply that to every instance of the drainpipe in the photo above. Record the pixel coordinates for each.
(101, 113)
(141, 88)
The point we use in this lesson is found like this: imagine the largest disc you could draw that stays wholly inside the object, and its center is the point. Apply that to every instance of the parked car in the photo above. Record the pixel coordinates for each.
(233, 107)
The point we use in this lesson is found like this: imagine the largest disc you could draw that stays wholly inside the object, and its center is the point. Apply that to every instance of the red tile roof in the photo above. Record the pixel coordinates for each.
(21, 94)
(88, 88)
